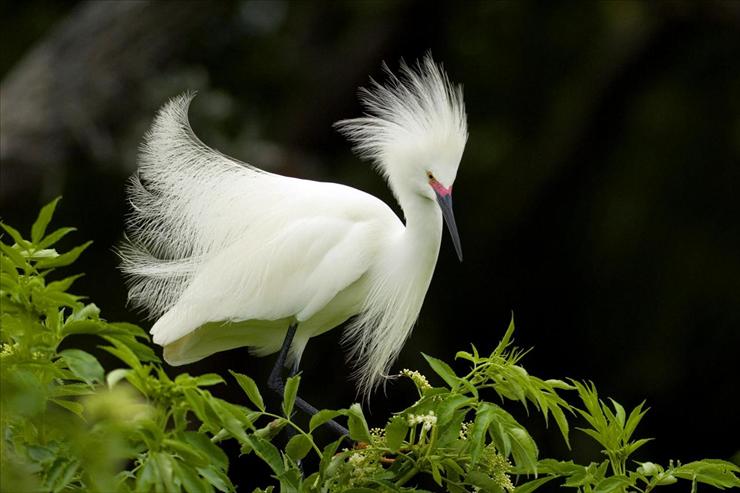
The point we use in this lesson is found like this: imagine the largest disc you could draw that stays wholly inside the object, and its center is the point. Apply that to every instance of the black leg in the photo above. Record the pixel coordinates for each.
(276, 384)
(275, 381)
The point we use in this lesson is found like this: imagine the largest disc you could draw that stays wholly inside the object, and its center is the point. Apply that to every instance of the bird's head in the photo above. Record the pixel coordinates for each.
(415, 131)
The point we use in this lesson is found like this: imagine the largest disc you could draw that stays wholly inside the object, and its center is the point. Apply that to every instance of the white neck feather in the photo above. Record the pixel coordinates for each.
(423, 233)
(397, 290)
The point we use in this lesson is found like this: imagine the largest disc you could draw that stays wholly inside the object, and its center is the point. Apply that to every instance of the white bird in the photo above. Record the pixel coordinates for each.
(226, 255)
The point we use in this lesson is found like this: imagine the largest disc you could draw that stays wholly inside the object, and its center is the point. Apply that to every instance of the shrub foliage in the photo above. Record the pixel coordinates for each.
(69, 424)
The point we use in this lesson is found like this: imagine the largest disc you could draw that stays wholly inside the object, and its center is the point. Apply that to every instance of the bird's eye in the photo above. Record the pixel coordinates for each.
(430, 175)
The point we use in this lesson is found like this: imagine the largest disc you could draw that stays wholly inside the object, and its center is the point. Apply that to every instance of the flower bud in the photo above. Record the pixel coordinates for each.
(649, 469)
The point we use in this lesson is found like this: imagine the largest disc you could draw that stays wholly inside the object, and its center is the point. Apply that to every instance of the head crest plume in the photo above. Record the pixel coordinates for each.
(417, 109)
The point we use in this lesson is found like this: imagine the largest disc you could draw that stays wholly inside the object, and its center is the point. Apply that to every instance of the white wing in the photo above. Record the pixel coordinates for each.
(294, 275)
(294, 271)
(214, 239)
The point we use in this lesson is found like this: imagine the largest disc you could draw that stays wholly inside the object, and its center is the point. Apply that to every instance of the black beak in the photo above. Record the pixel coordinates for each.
(445, 203)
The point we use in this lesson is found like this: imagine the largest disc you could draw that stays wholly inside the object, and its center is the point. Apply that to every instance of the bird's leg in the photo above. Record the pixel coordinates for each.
(276, 384)
(275, 381)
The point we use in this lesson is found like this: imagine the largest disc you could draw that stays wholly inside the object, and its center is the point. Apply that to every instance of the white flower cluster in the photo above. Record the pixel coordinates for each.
(6, 350)
(419, 379)
(425, 420)
(378, 435)
(362, 467)
(356, 459)
(498, 467)
(465, 429)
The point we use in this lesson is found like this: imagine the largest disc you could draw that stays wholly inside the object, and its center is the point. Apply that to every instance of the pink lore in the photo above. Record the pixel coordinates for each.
(439, 188)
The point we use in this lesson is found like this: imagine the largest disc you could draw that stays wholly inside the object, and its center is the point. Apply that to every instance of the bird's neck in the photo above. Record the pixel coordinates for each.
(423, 232)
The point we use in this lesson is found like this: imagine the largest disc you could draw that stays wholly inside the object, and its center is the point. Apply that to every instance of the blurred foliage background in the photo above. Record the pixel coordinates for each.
(597, 197)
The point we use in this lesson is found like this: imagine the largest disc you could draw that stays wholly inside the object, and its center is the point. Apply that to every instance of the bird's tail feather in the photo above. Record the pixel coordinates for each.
(178, 201)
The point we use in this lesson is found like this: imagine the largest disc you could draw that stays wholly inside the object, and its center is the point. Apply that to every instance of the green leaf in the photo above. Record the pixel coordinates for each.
(523, 448)
(484, 482)
(483, 418)
(581, 476)
(42, 455)
(633, 446)
(718, 473)
(146, 477)
(9, 269)
(267, 452)
(17, 237)
(190, 479)
(395, 433)
(436, 474)
(229, 419)
(54, 298)
(559, 384)
(530, 486)
(323, 416)
(507, 432)
(562, 423)
(142, 352)
(42, 221)
(71, 406)
(83, 364)
(25, 384)
(506, 340)
(453, 468)
(71, 389)
(443, 370)
(241, 413)
(63, 284)
(123, 353)
(289, 394)
(633, 420)
(165, 470)
(465, 355)
(449, 434)
(298, 447)
(619, 412)
(217, 478)
(447, 408)
(201, 442)
(61, 474)
(127, 328)
(327, 455)
(54, 237)
(613, 483)
(250, 388)
(358, 429)
(197, 403)
(208, 379)
(14, 255)
(559, 468)
(188, 454)
(63, 259)
(83, 327)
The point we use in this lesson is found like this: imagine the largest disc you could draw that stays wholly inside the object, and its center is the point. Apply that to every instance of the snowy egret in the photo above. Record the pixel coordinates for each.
(226, 255)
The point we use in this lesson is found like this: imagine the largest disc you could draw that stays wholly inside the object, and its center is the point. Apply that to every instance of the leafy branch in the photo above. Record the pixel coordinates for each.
(69, 424)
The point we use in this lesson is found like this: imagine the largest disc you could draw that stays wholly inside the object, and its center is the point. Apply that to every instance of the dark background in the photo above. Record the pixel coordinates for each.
(597, 197)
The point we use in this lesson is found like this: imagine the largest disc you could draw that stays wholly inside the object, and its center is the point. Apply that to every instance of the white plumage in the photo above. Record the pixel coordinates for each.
(226, 255)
